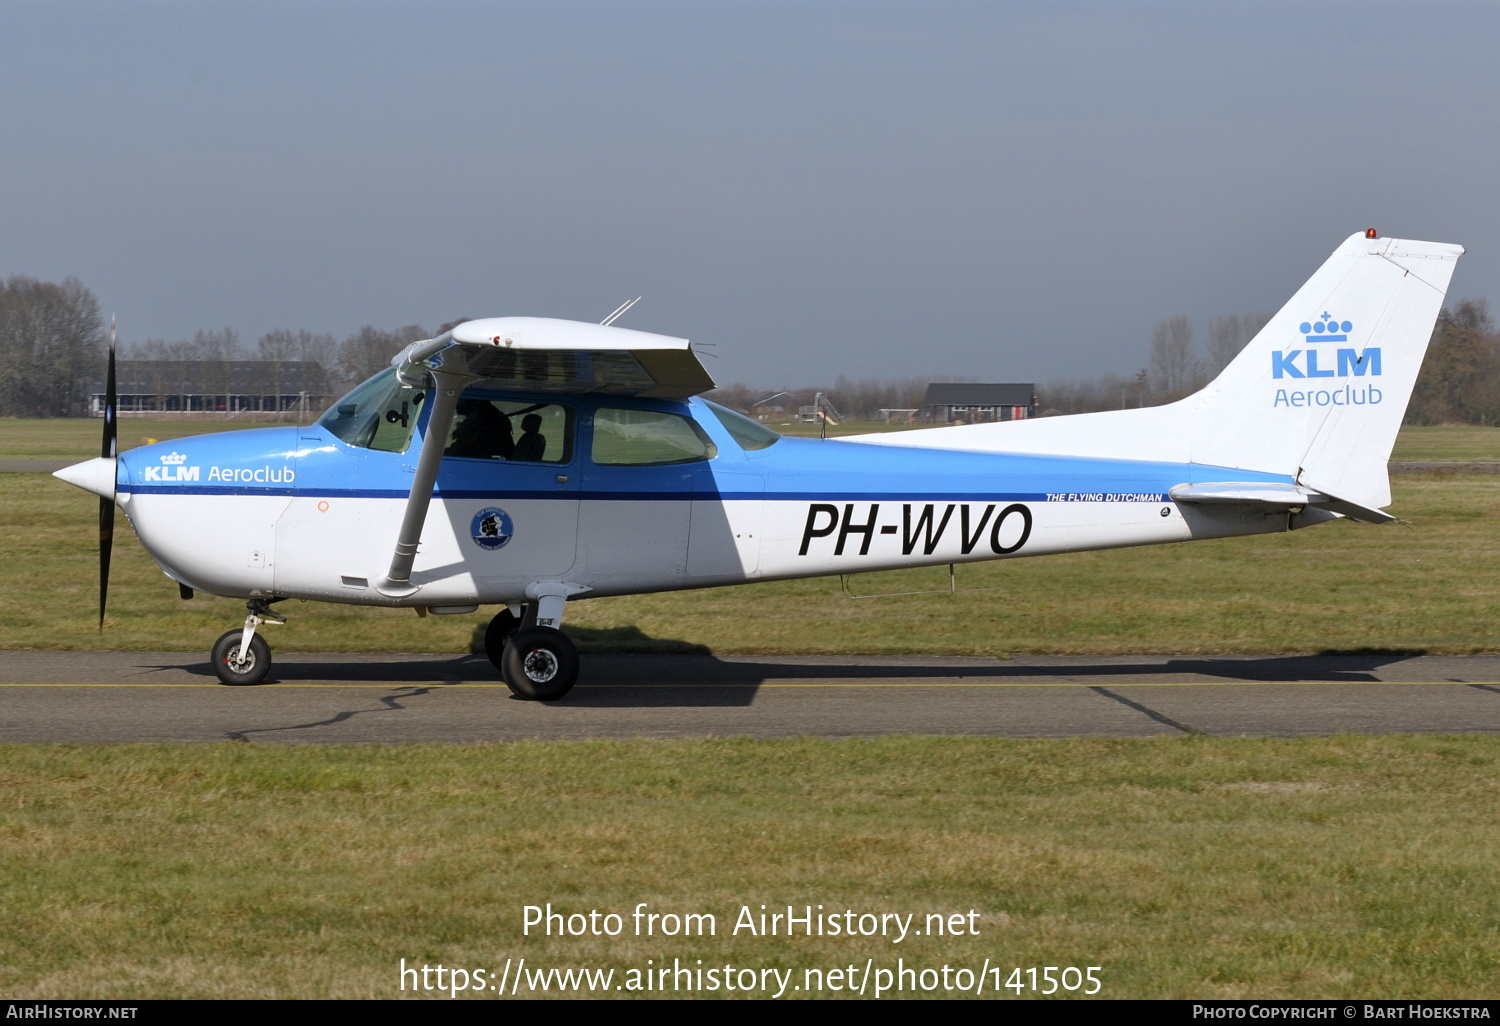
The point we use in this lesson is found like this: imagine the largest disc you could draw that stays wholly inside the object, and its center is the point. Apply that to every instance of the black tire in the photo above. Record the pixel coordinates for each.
(497, 634)
(257, 659)
(539, 663)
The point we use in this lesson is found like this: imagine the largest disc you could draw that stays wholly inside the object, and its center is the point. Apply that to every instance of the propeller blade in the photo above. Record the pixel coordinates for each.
(106, 547)
(107, 447)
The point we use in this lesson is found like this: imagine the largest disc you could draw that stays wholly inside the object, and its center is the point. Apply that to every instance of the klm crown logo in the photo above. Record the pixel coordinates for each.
(1326, 329)
(172, 469)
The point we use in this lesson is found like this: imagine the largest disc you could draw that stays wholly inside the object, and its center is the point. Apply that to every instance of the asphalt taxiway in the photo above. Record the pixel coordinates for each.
(94, 697)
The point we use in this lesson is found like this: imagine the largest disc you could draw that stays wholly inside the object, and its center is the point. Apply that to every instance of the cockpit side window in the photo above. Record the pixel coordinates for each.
(380, 414)
(518, 430)
(646, 438)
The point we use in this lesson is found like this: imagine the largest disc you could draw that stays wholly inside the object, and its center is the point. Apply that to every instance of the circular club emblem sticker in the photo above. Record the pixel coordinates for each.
(491, 528)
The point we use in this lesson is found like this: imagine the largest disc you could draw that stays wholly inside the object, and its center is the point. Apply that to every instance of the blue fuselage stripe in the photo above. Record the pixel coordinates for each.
(829, 496)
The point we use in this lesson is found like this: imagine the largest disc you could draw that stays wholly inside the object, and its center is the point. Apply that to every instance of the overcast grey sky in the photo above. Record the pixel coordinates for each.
(1004, 191)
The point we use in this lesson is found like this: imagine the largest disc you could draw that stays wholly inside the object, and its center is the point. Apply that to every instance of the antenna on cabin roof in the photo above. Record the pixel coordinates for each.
(618, 311)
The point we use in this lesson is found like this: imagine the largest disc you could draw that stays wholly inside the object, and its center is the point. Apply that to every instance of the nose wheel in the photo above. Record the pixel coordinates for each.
(241, 657)
(239, 670)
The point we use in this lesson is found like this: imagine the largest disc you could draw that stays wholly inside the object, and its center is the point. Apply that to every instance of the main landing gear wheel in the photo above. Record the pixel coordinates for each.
(239, 672)
(497, 634)
(539, 663)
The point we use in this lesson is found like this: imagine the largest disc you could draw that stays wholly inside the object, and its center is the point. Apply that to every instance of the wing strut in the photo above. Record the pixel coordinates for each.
(397, 583)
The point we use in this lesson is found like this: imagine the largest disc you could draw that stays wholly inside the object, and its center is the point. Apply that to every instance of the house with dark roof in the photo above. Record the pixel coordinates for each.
(970, 403)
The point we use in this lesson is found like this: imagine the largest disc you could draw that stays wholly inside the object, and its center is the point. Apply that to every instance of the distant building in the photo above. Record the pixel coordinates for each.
(213, 386)
(974, 404)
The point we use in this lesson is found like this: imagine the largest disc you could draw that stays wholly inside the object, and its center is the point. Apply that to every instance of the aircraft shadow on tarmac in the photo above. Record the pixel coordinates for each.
(671, 680)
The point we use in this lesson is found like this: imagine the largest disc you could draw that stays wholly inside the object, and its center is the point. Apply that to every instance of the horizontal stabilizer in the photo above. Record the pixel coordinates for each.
(1270, 493)
(539, 354)
(1264, 493)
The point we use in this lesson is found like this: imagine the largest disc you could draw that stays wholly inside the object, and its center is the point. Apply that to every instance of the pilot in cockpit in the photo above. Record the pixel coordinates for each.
(483, 432)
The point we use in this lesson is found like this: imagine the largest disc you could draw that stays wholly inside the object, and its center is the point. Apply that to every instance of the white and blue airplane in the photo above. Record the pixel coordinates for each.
(576, 460)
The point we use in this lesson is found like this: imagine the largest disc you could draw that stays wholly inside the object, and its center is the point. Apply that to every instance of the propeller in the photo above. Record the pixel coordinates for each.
(107, 447)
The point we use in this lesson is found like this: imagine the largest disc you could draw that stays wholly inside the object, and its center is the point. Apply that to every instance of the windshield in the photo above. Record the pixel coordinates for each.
(749, 433)
(380, 414)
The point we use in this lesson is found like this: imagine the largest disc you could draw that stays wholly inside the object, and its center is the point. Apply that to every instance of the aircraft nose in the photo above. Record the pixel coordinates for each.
(96, 475)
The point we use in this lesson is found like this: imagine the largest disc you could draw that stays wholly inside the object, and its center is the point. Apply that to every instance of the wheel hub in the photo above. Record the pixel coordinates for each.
(238, 665)
(540, 665)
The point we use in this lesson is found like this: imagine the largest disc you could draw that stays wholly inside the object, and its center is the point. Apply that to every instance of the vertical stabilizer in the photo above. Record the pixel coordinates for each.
(1321, 391)
(1317, 395)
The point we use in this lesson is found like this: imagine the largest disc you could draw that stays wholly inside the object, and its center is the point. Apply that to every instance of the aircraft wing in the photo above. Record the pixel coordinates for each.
(539, 354)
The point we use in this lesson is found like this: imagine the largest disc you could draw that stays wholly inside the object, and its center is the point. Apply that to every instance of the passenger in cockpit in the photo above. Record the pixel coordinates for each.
(532, 445)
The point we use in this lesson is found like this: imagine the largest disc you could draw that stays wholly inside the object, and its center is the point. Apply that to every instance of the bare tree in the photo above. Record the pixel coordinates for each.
(736, 395)
(216, 352)
(279, 346)
(1473, 315)
(1460, 379)
(1226, 337)
(1110, 392)
(369, 350)
(51, 347)
(277, 349)
(1174, 368)
(313, 354)
(320, 348)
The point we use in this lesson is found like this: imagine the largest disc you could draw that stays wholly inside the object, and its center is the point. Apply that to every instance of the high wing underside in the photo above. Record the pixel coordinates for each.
(540, 354)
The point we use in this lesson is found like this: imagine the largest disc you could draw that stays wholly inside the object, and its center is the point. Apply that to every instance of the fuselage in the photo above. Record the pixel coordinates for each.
(312, 512)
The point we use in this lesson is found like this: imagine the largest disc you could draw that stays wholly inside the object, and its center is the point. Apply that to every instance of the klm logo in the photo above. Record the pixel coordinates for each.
(1317, 363)
(1323, 362)
(1305, 363)
(172, 469)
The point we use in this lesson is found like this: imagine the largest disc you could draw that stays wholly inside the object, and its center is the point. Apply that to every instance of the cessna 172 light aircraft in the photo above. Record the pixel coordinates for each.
(529, 462)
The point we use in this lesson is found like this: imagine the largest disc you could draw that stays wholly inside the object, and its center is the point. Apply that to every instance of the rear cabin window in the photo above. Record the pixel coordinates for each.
(646, 438)
(519, 431)
(750, 434)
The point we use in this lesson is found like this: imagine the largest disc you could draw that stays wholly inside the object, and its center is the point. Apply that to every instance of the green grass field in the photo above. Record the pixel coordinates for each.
(79, 438)
(1448, 444)
(1345, 867)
